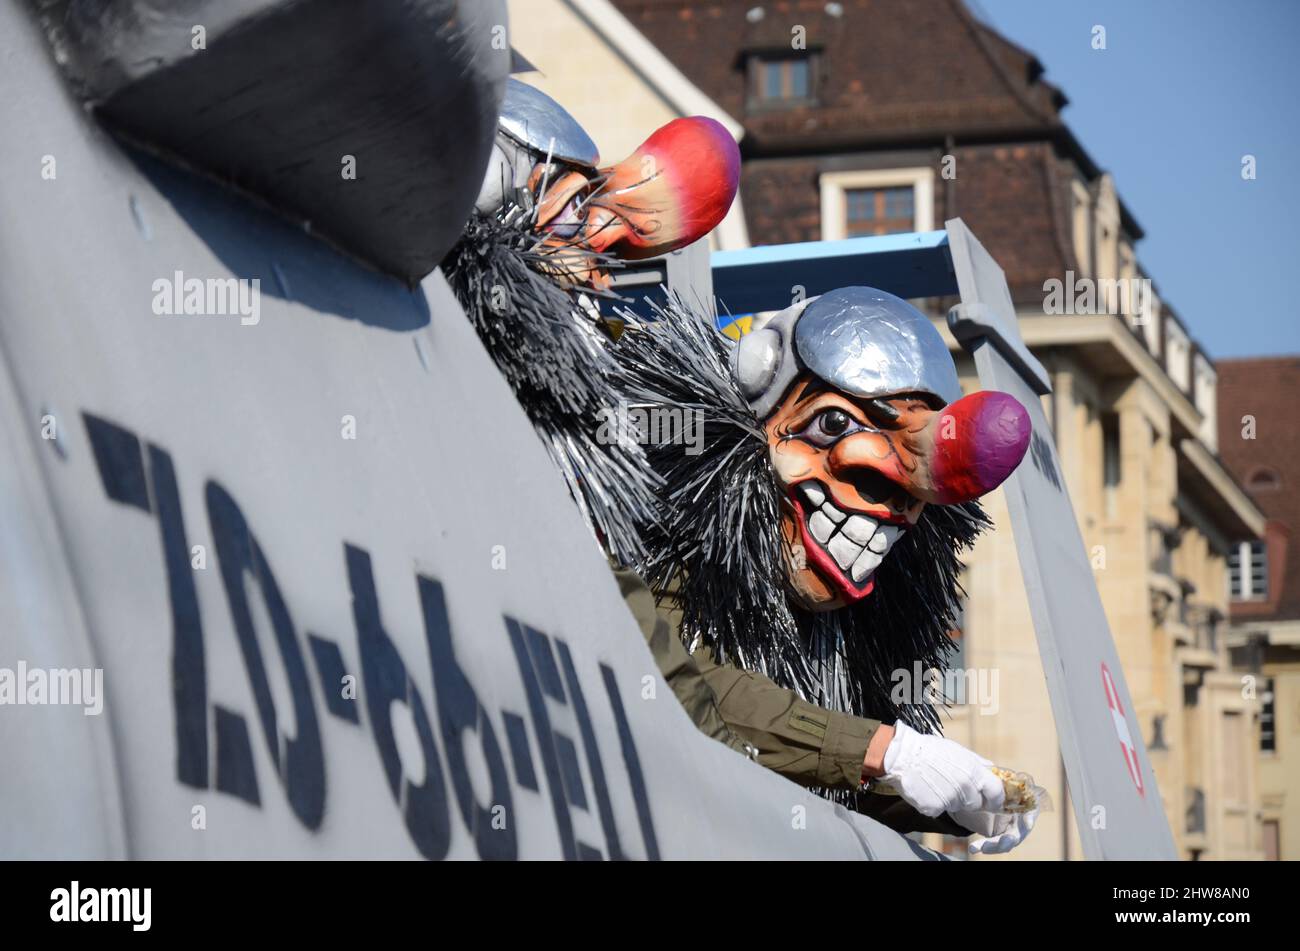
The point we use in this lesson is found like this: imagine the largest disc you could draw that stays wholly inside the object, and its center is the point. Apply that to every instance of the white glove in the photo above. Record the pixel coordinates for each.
(1003, 830)
(937, 775)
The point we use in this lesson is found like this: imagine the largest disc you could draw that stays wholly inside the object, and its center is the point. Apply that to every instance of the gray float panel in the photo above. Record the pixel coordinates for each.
(1112, 786)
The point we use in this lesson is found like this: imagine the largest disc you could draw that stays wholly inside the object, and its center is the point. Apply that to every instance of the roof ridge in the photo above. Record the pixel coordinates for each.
(1269, 358)
(979, 31)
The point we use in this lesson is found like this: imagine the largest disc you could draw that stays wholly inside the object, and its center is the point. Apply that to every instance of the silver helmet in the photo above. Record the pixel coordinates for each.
(863, 341)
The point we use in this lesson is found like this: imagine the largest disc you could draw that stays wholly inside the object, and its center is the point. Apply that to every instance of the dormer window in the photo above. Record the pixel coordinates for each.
(781, 79)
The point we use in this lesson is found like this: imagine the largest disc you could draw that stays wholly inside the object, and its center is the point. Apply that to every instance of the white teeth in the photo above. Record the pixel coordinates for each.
(867, 562)
(859, 528)
(821, 527)
(856, 542)
(832, 513)
(844, 551)
(885, 539)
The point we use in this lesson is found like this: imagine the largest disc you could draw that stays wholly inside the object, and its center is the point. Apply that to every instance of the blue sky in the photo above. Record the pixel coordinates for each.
(1183, 90)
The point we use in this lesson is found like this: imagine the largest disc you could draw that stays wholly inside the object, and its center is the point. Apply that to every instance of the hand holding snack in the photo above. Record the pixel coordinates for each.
(937, 775)
(1006, 828)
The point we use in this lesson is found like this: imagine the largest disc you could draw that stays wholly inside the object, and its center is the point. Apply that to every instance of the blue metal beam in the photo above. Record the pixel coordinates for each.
(915, 264)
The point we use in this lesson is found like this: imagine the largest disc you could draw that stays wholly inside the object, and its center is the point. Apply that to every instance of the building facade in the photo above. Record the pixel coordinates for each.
(875, 116)
(1259, 437)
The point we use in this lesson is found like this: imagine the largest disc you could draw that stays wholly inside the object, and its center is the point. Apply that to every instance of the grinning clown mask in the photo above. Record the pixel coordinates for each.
(866, 425)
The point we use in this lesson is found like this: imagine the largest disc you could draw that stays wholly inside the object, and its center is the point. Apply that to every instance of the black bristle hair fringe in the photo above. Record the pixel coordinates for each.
(558, 361)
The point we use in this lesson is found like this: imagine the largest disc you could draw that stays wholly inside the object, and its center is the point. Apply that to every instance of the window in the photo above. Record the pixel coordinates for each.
(1248, 572)
(1272, 840)
(875, 202)
(879, 210)
(1110, 462)
(1268, 718)
(781, 80)
(1178, 353)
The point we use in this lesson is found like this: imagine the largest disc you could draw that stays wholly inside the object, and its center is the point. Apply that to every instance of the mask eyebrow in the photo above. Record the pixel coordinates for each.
(883, 407)
(817, 386)
(813, 388)
(880, 406)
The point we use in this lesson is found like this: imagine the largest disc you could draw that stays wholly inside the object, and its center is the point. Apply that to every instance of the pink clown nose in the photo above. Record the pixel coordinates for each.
(672, 191)
(973, 445)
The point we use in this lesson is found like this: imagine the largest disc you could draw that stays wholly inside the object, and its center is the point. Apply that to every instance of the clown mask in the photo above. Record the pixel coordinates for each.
(674, 189)
(866, 426)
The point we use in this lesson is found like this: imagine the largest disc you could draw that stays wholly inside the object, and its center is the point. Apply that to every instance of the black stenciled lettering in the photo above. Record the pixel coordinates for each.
(144, 477)
(302, 770)
(603, 804)
(533, 689)
(633, 763)
(120, 463)
(385, 679)
(459, 712)
(189, 667)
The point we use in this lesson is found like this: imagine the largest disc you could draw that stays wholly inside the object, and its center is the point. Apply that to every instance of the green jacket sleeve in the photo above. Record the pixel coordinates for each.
(753, 716)
(674, 663)
(803, 742)
(809, 745)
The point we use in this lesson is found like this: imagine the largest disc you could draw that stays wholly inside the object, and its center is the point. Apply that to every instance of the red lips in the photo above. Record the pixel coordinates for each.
(825, 564)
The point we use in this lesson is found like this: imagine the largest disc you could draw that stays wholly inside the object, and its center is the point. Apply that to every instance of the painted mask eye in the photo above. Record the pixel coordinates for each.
(828, 426)
(567, 223)
(834, 422)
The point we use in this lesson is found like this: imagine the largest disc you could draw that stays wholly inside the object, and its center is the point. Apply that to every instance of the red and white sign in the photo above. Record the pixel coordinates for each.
(1121, 729)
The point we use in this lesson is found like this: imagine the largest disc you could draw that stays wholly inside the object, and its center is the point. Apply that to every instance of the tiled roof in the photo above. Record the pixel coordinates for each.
(887, 68)
(893, 76)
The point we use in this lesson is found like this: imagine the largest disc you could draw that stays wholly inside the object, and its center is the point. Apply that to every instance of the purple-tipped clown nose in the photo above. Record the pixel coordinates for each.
(977, 442)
